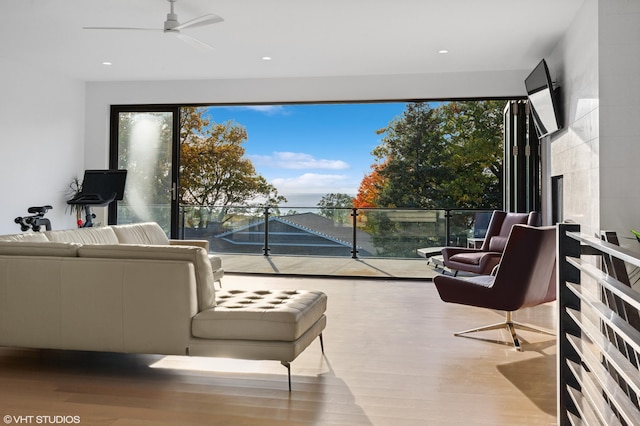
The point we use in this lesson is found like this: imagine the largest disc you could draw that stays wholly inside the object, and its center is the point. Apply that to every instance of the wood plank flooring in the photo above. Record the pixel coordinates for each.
(390, 359)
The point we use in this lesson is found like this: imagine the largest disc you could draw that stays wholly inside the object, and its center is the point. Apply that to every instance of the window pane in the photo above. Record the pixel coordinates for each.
(144, 149)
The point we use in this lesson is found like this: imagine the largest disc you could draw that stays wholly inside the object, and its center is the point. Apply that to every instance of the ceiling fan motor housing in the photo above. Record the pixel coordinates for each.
(171, 22)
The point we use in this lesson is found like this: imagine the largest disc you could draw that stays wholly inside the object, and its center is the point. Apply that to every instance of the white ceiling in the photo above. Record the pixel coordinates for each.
(304, 37)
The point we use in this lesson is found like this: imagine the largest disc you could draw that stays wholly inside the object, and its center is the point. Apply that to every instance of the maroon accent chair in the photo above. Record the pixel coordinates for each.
(482, 260)
(525, 278)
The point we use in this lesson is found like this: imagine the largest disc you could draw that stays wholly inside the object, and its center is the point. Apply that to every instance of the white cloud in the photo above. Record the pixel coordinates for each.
(297, 160)
(267, 109)
(315, 183)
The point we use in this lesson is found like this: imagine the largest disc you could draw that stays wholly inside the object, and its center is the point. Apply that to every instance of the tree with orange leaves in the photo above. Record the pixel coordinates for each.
(370, 187)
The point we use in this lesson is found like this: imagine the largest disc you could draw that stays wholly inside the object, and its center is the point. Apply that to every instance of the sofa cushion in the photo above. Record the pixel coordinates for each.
(196, 255)
(468, 258)
(94, 235)
(27, 236)
(33, 248)
(280, 315)
(149, 233)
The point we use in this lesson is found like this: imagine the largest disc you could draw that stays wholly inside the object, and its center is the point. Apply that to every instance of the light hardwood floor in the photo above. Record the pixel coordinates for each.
(390, 359)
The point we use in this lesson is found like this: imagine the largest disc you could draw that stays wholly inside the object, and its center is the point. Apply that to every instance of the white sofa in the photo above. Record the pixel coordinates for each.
(127, 288)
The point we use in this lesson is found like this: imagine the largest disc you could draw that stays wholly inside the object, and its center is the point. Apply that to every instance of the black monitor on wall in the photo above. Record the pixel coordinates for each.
(543, 99)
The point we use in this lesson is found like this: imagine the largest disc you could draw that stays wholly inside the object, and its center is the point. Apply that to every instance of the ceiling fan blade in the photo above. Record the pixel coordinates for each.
(200, 45)
(122, 28)
(201, 21)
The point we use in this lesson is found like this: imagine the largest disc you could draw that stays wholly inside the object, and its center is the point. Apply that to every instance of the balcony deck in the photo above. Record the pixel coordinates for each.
(366, 267)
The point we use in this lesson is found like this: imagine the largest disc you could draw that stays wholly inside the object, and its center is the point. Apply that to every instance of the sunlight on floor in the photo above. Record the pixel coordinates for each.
(229, 365)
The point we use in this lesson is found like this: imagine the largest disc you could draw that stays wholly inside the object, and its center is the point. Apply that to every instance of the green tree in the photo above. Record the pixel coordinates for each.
(444, 157)
(335, 206)
(474, 131)
(213, 169)
(449, 156)
(412, 156)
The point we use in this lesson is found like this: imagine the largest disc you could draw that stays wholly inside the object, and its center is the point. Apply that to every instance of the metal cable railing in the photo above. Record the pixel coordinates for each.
(354, 232)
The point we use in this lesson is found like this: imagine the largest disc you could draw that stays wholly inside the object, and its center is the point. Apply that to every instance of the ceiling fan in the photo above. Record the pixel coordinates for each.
(173, 26)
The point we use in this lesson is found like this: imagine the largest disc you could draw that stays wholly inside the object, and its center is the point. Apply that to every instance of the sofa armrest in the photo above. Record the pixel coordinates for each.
(196, 243)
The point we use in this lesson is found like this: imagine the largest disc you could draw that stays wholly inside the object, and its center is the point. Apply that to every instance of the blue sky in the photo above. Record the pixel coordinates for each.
(308, 150)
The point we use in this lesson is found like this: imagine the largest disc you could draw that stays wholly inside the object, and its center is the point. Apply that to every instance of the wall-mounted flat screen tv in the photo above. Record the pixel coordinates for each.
(543, 100)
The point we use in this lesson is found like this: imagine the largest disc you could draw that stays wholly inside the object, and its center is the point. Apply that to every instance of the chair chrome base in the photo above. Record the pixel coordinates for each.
(510, 325)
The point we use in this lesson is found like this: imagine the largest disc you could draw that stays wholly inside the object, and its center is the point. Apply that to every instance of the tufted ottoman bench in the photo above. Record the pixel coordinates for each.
(262, 325)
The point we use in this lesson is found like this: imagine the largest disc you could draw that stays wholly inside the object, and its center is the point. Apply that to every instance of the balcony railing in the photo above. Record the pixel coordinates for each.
(354, 232)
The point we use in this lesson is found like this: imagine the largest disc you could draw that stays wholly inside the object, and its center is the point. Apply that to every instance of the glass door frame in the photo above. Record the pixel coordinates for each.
(175, 156)
(522, 157)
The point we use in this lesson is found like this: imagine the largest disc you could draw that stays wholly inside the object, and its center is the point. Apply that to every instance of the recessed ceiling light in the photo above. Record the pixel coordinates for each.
(107, 63)
(443, 51)
(266, 58)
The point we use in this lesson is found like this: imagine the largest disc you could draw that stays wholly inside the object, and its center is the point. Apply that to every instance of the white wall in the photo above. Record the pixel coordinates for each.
(619, 45)
(574, 65)
(598, 66)
(41, 143)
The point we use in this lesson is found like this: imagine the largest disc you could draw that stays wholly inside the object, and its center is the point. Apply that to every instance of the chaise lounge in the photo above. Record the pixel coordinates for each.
(128, 288)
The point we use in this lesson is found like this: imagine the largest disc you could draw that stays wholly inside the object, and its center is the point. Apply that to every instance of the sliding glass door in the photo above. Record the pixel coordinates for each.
(144, 141)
